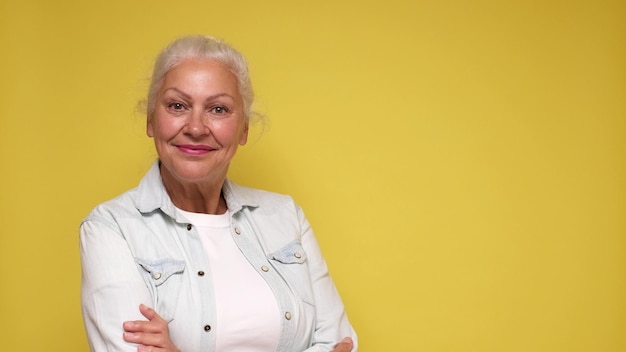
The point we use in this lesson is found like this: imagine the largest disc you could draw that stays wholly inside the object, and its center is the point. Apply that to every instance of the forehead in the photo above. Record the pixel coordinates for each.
(201, 72)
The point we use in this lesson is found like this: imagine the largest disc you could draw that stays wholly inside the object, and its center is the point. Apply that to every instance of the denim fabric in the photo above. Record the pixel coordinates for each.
(136, 249)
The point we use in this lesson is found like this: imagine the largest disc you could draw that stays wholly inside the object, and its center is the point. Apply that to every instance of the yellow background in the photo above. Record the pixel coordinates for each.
(462, 162)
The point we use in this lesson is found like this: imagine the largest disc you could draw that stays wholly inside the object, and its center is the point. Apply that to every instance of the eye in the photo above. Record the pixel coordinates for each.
(220, 110)
(176, 106)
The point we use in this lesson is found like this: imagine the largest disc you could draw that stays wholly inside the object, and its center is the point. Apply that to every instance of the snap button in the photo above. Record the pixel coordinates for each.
(237, 231)
(207, 328)
(189, 227)
(200, 273)
(297, 255)
(156, 276)
(265, 268)
(288, 316)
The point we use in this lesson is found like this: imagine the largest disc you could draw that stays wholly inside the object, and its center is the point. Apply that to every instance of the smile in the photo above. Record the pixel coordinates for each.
(194, 149)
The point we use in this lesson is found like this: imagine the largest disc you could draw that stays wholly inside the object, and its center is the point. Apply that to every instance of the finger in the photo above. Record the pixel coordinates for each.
(145, 339)
(155, 324)
(142, 348)
(345, 345)
(152, 315)
(132, 336)
(348, 340)
(154, 327)
(139, 326)
(148, 312)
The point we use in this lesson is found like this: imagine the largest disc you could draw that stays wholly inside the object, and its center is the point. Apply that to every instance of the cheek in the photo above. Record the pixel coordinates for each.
(227, 132)
(164, 128)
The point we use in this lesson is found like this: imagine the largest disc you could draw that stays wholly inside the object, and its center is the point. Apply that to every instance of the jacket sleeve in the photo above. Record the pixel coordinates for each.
(111, 287)
(332, 322)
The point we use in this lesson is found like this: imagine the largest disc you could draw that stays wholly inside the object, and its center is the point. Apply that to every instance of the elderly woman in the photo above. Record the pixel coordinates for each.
(190, 261)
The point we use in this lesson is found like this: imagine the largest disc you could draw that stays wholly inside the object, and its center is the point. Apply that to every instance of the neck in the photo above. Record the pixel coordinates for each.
(202, 197)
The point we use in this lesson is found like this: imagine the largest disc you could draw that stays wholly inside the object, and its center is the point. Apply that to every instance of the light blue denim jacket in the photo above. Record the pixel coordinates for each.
(137, 249)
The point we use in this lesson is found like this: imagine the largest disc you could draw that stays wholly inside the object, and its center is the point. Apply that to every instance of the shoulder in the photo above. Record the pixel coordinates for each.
(262, 200)
(142, 201)
(122, 206)
(277, 219)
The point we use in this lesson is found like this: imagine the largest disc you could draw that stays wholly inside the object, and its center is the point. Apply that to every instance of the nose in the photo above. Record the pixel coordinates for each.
(196, 125)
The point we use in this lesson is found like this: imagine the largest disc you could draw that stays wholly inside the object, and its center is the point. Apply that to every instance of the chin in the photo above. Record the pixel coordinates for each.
(198, 173)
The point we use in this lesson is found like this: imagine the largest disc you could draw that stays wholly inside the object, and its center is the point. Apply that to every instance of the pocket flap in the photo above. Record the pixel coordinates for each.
(161, 269)
(292, 253)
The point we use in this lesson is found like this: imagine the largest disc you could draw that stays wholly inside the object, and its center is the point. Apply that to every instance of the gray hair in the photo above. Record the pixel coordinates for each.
(201, 47)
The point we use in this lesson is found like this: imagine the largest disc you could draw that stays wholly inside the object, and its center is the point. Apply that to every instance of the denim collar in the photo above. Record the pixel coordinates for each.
(152, 195)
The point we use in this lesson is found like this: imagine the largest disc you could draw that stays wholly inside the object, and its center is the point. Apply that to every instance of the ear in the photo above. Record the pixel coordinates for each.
(149, 128)
(243, 138)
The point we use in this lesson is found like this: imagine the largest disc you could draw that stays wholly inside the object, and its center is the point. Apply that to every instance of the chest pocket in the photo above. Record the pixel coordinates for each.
(291, 262)
(164, 278)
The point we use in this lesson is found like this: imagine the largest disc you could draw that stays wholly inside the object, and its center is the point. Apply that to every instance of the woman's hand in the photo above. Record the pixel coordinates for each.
(152, 335)
(344, 346)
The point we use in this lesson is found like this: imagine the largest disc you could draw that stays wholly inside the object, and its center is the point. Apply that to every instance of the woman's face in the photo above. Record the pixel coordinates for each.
(198, 121)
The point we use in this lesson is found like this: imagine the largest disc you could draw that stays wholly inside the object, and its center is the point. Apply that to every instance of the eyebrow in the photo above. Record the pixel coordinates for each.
(188, 97)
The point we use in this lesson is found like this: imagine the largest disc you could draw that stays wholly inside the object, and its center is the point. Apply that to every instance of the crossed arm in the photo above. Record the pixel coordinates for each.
(152, 335)
(112, 293)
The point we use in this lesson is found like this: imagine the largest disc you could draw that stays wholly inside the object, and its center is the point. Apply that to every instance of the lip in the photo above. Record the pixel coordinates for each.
(194, 149)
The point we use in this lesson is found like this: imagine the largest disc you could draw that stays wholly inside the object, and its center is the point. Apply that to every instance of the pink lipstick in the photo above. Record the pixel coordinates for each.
(194, 149)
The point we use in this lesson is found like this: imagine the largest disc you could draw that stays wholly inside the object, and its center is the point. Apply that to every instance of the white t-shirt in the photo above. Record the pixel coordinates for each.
(248, 318)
